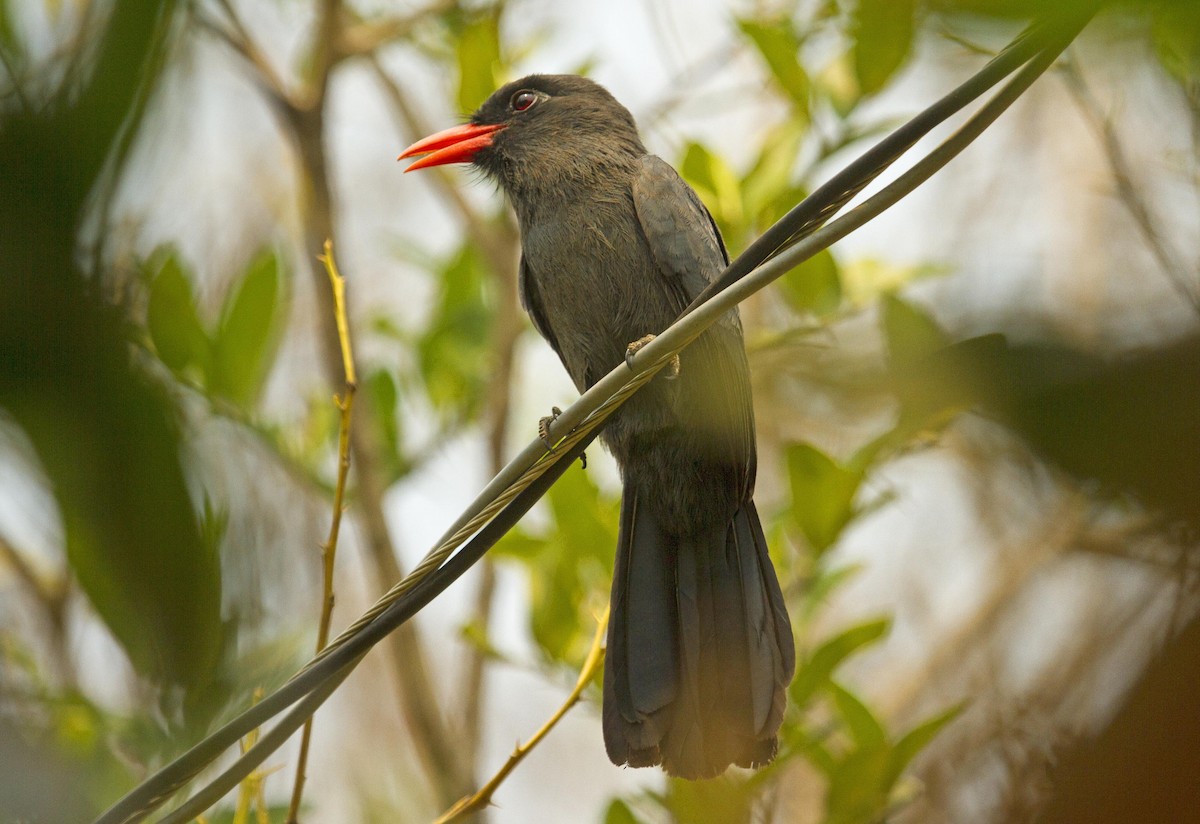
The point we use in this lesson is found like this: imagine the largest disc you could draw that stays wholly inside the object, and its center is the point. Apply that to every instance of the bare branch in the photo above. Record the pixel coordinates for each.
(49, 595)
(364, 37)
(237, 38)
(1127, 191)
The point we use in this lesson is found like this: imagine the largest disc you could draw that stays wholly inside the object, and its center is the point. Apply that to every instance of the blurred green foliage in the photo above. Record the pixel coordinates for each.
(452, 350)
(570, 567)
(231, 360)
(106, 436)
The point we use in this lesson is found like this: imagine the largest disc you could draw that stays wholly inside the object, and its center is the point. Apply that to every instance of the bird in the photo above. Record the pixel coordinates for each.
(614, 246)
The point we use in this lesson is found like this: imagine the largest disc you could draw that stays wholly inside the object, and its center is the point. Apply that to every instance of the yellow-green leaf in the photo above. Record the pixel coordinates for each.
(245, 340)
(883, 34)
(171, 318)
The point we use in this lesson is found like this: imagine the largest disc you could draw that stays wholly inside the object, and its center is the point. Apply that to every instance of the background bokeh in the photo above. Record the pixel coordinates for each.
(988, 543)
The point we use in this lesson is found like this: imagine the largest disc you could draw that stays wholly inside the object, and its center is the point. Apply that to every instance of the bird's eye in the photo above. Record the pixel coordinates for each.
(523, 100)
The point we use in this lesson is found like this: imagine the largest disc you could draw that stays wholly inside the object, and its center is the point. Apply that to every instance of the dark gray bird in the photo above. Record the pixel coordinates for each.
(614, 246)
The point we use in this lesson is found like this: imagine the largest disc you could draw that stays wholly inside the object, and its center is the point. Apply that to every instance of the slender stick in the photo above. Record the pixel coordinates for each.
(483, 797)
(345, 405)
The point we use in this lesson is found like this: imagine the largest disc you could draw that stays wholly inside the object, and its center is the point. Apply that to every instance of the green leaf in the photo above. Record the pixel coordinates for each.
(883, 34)
(817, 754)
(716, 184)
(919, 737)
(8, 40)
(585, 519)
(276, 814)
(838, 85)
(723, 800)
(453, 351)
(912, 335)
(618, 812)
(379, 390)
(932, 388)
(864, 727)
(816, 672)
(476, 634)
(519, 546)
(822, 494)
(777, 42)
(108, 442)
(105, 433)
(866, 280)
(814, 286)
(859, 786)
(576, 569)
(570, 568)
(820, 586)
(478, 55)
(171, 318)
(554, 617)
(246, 337)
(767, 189)
(1176, 38)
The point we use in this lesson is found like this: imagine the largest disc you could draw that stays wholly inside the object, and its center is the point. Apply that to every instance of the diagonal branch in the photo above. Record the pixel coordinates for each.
(235, 35)
(482, 798)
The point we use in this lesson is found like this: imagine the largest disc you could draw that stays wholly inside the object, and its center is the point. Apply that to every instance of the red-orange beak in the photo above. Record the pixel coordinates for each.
(456, 145)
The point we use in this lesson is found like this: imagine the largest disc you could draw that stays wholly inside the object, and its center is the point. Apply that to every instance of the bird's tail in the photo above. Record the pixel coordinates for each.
(700, 646)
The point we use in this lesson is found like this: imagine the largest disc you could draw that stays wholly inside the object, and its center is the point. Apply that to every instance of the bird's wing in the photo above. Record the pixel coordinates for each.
(532, 301)
(689, 254)
(678, 228)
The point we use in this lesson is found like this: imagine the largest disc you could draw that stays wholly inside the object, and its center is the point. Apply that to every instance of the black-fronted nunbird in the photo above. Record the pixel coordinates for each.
(614, 246)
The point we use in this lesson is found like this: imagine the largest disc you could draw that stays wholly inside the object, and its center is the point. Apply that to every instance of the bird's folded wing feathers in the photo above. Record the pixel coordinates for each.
(678, 228)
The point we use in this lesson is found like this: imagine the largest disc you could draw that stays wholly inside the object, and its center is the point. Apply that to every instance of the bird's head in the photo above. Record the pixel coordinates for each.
(542, 131)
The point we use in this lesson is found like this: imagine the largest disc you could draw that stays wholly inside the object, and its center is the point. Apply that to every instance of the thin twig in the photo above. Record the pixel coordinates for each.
(365, 37)
(345, 405)
(16, 81)
(252, 791)
(1127, 192)
(50, 595)
(238, 39)
(483, 797)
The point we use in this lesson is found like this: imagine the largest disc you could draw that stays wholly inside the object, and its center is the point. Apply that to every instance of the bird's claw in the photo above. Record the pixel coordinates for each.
(544, 427)
(544, 433)
(635, 347)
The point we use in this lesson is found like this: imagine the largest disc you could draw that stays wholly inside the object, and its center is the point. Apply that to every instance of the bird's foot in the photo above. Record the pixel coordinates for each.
(635, 347)
(544, 427)
(544, 433)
